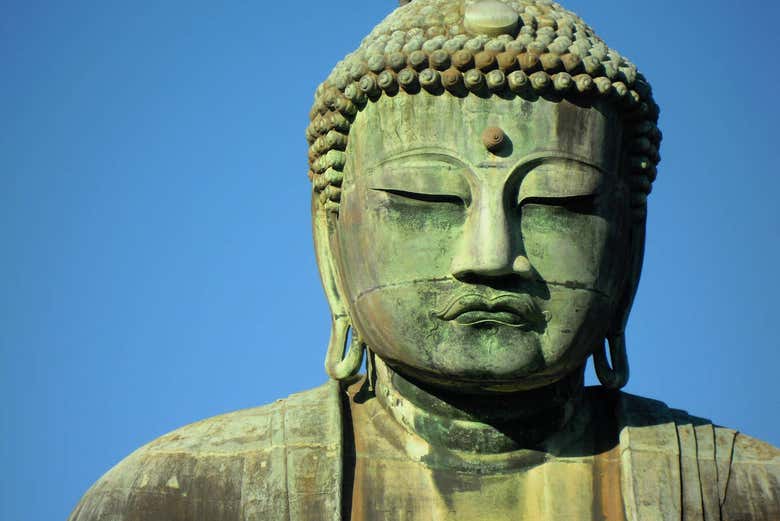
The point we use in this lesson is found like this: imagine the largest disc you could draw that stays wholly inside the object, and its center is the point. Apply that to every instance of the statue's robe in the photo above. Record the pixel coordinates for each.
(294, 460)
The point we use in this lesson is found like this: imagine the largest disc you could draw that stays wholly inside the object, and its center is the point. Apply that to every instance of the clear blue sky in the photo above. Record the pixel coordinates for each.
(156, 261)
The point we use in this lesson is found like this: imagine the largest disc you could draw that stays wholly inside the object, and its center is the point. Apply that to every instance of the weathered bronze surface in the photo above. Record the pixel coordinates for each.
(480, 175)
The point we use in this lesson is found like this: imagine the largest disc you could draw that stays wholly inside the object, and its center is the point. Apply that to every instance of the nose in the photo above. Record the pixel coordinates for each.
(487, 247)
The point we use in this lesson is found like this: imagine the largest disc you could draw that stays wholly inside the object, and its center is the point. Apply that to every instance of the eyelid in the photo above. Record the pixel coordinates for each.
(431, 198)
(560, 179)
(567, 202)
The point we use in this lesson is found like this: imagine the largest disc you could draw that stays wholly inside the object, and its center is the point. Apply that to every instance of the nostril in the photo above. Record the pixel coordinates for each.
(506, 282)
(479, 271)
(475, 273)
(466, 276)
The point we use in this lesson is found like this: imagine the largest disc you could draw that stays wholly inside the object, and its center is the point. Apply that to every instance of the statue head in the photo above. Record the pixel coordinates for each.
(480, 174)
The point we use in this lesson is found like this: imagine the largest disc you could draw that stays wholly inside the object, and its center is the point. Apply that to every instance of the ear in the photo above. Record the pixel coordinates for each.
(635, 260)
(616, 376)
(325, 230)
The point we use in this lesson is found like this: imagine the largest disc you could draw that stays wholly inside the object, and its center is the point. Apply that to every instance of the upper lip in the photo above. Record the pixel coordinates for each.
(510, 309)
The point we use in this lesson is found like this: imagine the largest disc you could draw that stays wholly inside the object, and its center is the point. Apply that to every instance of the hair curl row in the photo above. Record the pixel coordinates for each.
(554, 56)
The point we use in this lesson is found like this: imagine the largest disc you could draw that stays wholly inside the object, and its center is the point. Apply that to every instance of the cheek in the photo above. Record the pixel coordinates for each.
(578, 319)
(397, 240)
(569, 248)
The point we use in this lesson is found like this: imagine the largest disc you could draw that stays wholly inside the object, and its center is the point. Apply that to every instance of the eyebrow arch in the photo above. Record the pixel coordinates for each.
(542, 156)
(434, 153)
(447, 156)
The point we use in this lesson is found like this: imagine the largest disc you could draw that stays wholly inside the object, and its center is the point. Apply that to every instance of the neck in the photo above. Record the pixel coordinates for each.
(481, 424)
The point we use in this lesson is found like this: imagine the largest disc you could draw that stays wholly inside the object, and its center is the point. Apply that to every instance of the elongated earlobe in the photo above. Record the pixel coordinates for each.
(341, 362)
(614, 377)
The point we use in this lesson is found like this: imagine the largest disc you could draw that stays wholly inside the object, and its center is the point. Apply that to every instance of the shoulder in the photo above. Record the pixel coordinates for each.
(753, 489)
(255, 463)
(719, 469)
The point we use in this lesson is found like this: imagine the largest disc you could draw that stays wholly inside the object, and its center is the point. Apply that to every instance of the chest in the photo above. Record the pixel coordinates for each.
(560, 489)
(398, 477)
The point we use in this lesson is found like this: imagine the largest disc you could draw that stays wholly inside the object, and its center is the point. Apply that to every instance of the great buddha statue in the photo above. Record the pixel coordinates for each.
(480, 173)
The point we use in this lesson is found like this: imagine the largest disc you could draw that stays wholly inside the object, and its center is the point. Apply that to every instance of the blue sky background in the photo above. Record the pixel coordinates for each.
(156, 261)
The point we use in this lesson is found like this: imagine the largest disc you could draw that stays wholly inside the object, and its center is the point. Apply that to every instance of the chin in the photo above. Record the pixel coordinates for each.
(523, 371)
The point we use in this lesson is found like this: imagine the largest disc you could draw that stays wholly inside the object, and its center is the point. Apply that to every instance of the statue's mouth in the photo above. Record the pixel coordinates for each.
(472, 309)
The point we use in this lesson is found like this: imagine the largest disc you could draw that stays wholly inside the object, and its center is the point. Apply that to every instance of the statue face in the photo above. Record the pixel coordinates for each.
(477, 269)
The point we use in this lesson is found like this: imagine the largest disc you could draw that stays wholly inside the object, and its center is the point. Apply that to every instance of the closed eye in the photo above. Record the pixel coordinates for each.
(430, 198)
(578, 203)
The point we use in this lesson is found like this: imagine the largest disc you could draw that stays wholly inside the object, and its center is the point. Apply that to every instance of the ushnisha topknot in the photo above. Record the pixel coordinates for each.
(527, 48)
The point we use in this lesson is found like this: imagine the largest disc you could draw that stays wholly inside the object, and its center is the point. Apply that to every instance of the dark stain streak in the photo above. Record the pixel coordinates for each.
(569, 284)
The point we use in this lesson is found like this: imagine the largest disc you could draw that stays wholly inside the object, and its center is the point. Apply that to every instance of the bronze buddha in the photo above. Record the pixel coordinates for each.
(480, 175)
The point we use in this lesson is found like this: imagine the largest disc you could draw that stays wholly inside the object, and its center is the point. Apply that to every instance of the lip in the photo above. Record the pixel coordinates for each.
(511, 310)
(475, 317)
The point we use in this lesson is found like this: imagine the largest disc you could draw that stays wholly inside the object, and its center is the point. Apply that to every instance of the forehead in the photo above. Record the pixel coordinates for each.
(402, 123)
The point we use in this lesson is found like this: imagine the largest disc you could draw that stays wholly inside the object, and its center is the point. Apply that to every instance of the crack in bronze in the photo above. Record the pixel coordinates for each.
(401, 283)
(568, 285)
